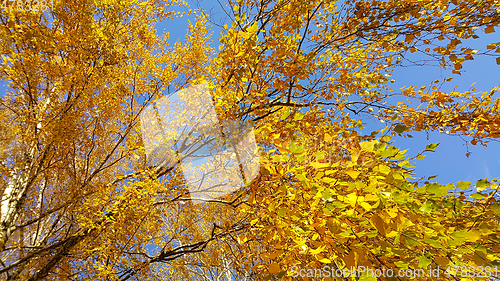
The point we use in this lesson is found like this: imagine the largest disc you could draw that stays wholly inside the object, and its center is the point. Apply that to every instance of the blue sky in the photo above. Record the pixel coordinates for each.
(448, 161)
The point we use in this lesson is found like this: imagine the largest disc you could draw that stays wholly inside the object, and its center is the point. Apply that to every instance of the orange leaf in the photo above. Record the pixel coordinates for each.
(489, 29)
(442, 261)
(491, 46)
(378, 223)
(350, 259)
(274, 268)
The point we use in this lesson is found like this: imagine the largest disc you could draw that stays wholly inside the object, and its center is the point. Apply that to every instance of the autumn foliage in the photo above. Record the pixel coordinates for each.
(79, 200)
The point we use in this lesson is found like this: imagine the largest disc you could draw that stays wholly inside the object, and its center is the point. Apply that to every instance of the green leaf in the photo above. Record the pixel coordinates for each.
(303, 179)
(281, 274)
(299, 116)
(299, 229)
(281, 212)
(388, 152)
(464, 235)
(463, 184)
(410, 241)
(396, 239)
(295, 148)
(400, 128)
(478, 196)
(367, 277)
(459, 205)
(428, 206)
(327, 194)
(495, 207)
(400, 197)
(481, 182)
(437, 189)
(336, 205)
(401, 264)
(425, 260)
(433, 243)
(480, 259)
(431, 146)
(285, 115)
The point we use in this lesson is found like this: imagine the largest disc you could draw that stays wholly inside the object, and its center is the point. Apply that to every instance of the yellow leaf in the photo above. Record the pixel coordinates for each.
(366, 206)
(352, 199)
(318, 250)
(253, 28)
(328, 138)
(383, 169)
(371, 197)
(353, 174)
(325, 260)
